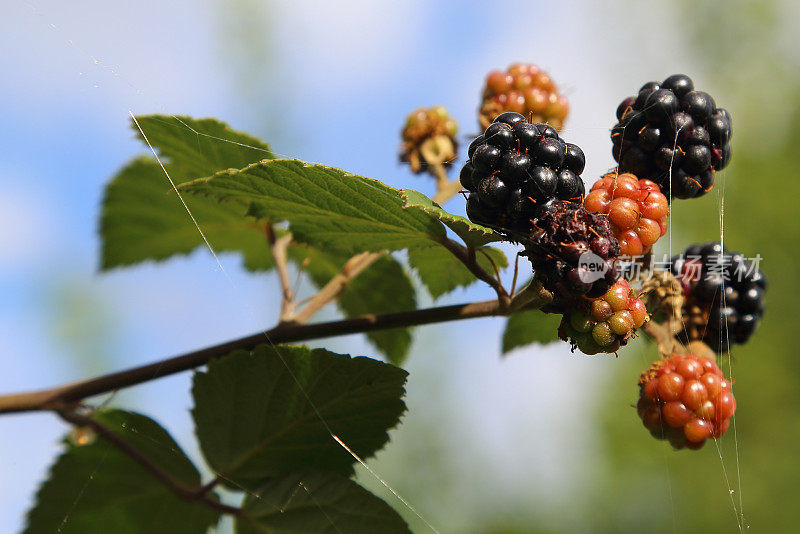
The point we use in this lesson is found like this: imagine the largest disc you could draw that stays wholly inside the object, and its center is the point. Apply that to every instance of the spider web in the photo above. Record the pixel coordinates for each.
(738, 510)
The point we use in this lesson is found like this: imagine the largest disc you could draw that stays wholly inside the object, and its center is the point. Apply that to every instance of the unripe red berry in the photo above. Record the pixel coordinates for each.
(689, 395)
(636, 208)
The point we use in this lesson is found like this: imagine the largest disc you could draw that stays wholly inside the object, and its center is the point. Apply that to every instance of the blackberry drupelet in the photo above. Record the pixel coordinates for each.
(724, 295)
(673, 135)
(517, 171)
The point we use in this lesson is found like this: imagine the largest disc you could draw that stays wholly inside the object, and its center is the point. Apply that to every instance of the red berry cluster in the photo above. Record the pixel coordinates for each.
(526, 89)
(637, 209)
(606, 323)
(686, 400)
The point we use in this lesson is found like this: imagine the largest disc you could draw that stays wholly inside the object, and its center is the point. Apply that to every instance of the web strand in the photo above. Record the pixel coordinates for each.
(266, 336)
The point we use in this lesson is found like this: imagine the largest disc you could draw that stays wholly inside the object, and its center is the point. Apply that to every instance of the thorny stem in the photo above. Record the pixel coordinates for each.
(189, 493)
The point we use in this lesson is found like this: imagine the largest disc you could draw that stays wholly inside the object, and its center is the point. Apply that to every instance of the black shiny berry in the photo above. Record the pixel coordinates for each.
(680, 84)
(574, 159)
(519, 171)
(698, 104)
(499, 134)
(728, 291)
(493, 192)
(509, 117)
(542, 183)
(515, 167)
(549, 152)
(527, 135)
(660, 105)
(478, 141)
(467, 177)
(671, 133)
(486, 158)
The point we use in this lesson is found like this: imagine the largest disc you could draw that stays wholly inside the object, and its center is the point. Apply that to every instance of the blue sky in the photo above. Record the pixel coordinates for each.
(341, 79)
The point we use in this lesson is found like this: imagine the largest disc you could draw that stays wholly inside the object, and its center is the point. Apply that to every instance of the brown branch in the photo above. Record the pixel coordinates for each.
(65, 396)
(189, 493)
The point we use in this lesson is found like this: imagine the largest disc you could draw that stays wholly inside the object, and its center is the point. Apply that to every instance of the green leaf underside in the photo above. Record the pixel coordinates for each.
(473, 234)
(324, 206)
(383, 286)
(317, 503)
(200, 147)
(441, 272)
(254, 418)
(531, 326)
(96, 488)
(143, 220)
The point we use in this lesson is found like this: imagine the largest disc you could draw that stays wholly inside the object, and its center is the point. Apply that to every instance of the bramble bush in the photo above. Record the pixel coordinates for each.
(281, 425)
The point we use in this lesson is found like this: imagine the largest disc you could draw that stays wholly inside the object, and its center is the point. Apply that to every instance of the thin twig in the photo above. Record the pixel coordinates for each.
(337, 285)
(189, 493)
(467, 257)
(66, 395)
(279, 253)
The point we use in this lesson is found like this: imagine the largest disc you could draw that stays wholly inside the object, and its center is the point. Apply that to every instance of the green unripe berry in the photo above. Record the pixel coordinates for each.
(602, 334)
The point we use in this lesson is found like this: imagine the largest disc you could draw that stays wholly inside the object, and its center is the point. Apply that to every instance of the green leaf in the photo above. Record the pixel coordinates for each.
(141, 221)
(531, 326)
(95, 488)
(382, 287)
(317, 503)
(270, 412)
(441, 272)
(473, 234)
(325, 206)
(199, 147)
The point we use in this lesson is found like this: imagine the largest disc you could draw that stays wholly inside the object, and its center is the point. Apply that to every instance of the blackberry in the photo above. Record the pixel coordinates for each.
(604, 324)
(673, 135)
(686, 400)
(517, 171)
(559, 250)
(428, 132)
(724, 295)
(637, 210)
(525, 89)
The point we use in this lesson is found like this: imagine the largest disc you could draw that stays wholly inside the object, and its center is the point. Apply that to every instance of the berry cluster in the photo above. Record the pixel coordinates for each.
(724, 295)
(524, 88)
(573, 252)
(606, 323)
(637, 209)
(433, 126)
(686, 400)
(670, 131)
(517, 171)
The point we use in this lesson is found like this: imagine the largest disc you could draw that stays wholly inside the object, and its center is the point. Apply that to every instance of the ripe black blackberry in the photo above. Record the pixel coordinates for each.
(724, 294)
(518, 171)
(558, 249)
(671, 130)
